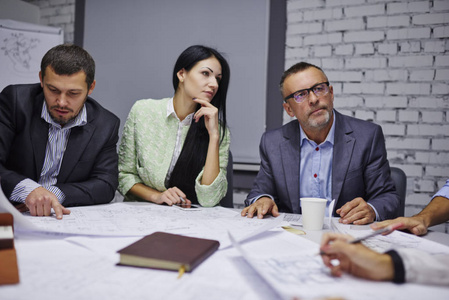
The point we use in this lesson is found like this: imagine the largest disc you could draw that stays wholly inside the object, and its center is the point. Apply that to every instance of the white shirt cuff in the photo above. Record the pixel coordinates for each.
(23, 189)
(377, 215)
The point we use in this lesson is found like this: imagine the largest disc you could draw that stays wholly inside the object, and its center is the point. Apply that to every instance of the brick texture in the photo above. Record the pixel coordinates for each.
(58, 13)
(389, 63)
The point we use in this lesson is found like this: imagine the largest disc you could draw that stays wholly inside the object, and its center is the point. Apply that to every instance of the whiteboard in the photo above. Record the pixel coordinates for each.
(22, 46)
(135, 48)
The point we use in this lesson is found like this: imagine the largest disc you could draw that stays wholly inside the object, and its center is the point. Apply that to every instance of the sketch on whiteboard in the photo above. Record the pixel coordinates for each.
(18, 48)
(22, 46)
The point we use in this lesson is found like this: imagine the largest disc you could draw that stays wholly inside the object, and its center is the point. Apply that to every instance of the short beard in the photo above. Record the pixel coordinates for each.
(315, 124)
(63, 122)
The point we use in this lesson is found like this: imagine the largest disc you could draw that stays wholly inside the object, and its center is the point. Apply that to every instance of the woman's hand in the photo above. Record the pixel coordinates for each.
(172, 196)
(210, 114)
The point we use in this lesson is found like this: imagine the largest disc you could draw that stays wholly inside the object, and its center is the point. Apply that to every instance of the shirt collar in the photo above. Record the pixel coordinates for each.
(329, 138)
(80, 119)
(171, 112)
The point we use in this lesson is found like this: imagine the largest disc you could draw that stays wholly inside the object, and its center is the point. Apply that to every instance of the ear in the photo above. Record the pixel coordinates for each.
(181, 75)
(92, 87)
(288, 109)
(40, 78)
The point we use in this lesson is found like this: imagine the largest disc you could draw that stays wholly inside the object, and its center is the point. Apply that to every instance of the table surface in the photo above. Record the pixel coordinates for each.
(55, 266)
(435, 236)
(315, 236)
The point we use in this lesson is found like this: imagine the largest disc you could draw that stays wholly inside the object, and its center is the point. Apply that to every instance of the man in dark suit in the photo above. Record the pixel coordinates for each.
(57, 145)
(325, 155)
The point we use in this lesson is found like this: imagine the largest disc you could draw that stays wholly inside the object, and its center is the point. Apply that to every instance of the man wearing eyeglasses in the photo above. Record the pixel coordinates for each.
(327, 155)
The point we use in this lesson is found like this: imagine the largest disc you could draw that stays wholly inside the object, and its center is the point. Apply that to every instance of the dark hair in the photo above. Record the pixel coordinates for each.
(296, 68)
(194, 151)
(67, 59)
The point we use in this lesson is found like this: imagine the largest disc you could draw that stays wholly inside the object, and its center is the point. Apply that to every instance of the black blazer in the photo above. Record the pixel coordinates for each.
(359, 167)
(89, 169)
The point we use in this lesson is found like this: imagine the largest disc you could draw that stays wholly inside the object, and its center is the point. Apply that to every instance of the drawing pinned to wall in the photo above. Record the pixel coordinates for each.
(18, 49)
(22, 46)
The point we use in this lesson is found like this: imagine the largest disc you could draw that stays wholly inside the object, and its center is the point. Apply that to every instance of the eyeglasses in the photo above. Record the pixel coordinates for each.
(319, 89)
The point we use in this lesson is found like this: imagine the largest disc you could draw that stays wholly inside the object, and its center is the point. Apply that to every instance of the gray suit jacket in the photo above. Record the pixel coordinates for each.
(89, 169)
(359, 167)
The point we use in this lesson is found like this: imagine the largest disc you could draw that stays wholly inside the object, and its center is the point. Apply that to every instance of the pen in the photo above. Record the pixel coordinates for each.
(182, 199)
(387, 229)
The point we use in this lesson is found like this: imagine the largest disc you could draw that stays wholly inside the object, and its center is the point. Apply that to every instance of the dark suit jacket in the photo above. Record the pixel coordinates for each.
(359, 167)
(89, 169)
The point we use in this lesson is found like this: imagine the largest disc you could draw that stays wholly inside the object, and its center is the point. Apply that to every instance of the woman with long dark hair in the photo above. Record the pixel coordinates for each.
(175, 150)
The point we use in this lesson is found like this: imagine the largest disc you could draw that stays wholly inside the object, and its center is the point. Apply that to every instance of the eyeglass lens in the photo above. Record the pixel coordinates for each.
(319, 90)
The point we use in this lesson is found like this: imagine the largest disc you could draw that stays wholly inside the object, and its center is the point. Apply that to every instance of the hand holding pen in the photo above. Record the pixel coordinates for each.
(350, 240)
(354, 258)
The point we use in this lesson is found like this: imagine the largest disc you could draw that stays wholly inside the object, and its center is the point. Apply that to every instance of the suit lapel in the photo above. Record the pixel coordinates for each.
(290, 152)
(78, 140)
(343, 149)
(38, 135)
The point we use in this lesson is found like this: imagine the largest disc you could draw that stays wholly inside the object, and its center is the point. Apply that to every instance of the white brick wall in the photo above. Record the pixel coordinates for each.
(389, 62)
(58, 13)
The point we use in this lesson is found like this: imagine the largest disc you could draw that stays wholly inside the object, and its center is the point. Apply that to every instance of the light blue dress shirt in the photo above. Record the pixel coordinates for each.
(444, 191)
(315, 170)
(57, 142)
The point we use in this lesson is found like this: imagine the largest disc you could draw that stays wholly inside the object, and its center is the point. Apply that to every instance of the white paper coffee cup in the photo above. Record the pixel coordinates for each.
(313, 210)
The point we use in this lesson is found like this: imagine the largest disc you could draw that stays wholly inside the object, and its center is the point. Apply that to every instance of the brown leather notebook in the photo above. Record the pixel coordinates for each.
(162, 250)
(9, 272)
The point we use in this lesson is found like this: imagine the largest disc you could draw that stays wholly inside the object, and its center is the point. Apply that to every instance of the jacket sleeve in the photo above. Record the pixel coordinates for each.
(380, 189)
(210, 195)
(128, 175)
(8, 110)
(264, 184)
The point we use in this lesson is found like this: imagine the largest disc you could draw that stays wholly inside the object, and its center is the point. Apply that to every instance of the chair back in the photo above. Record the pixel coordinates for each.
(400, 182)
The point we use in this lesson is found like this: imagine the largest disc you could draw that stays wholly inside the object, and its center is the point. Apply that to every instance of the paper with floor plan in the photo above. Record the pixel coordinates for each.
(302, 274)
(139, 219)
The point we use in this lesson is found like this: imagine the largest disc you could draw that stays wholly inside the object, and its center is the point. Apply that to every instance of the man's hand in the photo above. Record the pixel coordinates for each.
(355, 259)
(413, 224)
(356, 211)
(40, 202)
(261, 207)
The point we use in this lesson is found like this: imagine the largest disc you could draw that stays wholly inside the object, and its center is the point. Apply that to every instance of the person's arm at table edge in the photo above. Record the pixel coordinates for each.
(436, 212)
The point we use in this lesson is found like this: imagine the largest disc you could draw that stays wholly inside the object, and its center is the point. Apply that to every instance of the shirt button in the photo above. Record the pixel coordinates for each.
(315, 175)
(317, 148)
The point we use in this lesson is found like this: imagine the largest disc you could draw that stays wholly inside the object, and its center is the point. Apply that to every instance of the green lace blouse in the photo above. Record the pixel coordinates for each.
(146, 150)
